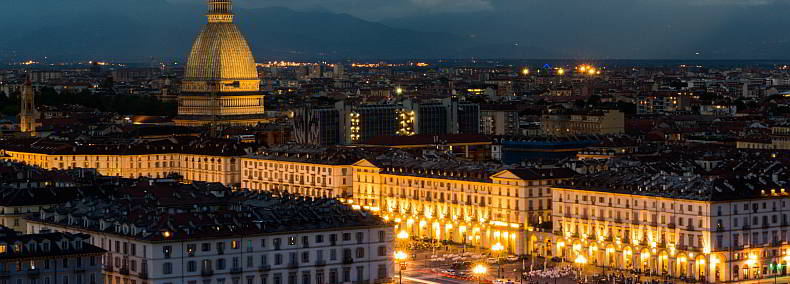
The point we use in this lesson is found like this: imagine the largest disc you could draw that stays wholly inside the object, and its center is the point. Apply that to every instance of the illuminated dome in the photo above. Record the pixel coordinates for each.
(220, 60)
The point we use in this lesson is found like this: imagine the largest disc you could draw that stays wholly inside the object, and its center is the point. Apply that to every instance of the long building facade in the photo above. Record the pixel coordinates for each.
(474, 206)
(233, 237)
(681, 226)
(209, 161)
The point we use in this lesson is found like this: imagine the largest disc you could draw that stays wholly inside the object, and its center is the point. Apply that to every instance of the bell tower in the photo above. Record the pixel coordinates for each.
(27, 116)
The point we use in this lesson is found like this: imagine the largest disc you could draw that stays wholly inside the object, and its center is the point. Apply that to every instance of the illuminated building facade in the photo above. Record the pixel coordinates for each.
(196, 161)
(302, 170)
(221, 83)
(690, 226)
(478, 208)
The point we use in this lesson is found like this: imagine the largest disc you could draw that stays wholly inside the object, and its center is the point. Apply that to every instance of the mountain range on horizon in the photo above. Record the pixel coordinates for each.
(139, 30)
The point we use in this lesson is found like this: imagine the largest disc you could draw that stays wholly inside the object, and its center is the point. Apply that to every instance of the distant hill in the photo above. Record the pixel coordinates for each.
(135, 30)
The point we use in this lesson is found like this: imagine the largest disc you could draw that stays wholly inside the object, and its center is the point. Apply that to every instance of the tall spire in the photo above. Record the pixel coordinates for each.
(220, 11)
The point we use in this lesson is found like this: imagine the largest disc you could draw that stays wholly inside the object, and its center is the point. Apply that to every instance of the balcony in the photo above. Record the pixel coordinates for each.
(109, 268)
(671, 225)
(691, 228)
(206, 272)
(320, 262)
(293, 265)
(264, 268)
(5, 274)
(124, 270)
(348, 260)
(236, 270)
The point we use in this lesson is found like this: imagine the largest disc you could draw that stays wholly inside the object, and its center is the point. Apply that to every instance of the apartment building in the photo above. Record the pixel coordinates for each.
(709, 228)
(48, 258)
(170, 233)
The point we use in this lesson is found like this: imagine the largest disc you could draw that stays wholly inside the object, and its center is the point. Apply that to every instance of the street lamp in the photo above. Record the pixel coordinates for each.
(480, 271)
(400, 257)
(497, 249)
(581, 261)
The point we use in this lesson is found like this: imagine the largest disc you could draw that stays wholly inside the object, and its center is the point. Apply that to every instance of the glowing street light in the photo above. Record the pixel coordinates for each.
(497, 248)
(480, 271)
(400, 257)
(525, 71)
(403, 235)
(580, 260)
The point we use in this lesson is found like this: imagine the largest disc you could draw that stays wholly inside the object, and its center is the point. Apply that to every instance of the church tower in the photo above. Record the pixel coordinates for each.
(221, 84)
(27, 117)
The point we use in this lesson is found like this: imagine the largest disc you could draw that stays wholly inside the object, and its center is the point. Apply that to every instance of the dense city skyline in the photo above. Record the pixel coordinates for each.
(320, 144)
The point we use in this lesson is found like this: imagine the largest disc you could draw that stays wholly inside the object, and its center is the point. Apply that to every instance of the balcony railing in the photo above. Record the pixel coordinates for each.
(124, 270)
(206, 272)
(5, 274)
(348, 260)
(320, 262)
(143, 275)
(235, 270)
(293, 265)
(264, 268)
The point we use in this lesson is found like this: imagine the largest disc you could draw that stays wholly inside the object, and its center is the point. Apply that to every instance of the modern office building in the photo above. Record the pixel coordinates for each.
(359, 123)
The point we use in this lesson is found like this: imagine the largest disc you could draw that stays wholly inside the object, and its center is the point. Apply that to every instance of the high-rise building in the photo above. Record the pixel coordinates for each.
(221, 84)
(359, 123)
(27, 116)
